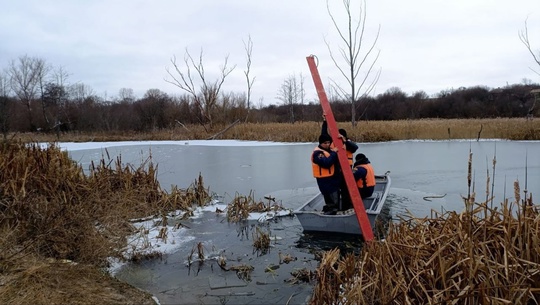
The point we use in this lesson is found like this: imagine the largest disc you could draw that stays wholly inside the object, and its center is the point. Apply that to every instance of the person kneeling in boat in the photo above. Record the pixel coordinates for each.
(326, 170)
(364, 175)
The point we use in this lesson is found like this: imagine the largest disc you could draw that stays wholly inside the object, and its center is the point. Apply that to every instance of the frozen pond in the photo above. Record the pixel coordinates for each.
(418, 169)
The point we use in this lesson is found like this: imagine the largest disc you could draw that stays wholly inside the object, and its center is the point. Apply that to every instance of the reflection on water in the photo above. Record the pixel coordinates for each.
(318, 242)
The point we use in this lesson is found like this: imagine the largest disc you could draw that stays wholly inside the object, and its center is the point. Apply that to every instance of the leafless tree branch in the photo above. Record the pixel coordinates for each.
(357, 58)
(524, 37)
(26, 78)
(249, 49)
(206, 97)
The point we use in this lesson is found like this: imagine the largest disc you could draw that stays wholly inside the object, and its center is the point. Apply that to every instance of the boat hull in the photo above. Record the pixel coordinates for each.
(313, 219)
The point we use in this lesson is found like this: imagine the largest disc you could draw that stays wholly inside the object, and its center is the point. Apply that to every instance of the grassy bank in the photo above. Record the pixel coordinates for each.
(365, 131)
(59, 226)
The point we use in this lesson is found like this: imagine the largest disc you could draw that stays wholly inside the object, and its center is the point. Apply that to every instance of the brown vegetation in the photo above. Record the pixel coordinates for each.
(59, 226)
(57, 223)
(240, 207)
(487, 256)
(261, 241)
(38, 281)
(483, 255)
(365, 131)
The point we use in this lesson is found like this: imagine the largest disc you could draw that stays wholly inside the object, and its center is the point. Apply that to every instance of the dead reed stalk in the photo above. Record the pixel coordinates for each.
(261, 241)
(367, 131)
(483, 255)
(49, 207)
(451, 258)
(242, 205)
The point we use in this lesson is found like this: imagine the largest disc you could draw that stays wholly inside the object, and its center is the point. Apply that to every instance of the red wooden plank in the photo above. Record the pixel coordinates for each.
(358, 205)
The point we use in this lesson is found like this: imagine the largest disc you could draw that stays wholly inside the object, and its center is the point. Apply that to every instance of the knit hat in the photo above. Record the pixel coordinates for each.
(343, 132)
(360, 158)
(324, 137)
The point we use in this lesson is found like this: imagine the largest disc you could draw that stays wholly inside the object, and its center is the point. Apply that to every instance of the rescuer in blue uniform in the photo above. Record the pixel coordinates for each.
(327, 172)
(350, 148)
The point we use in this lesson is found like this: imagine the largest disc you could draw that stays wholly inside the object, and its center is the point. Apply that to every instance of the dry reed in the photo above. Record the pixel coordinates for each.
(55, 282)
(365, 131)
(482, 255)
(50, 209)
(240, 207)
(303, 275)
(261, 241)
(51, 212)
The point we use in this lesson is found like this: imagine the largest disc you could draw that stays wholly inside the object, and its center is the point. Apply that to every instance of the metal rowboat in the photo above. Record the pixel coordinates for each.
(312, 218)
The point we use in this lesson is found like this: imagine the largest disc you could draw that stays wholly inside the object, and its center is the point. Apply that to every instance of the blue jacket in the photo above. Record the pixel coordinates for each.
(331, 184)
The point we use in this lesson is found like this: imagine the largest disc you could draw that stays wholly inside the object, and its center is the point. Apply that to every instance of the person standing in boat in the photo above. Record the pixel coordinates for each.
(350, 148)
(326, 170)
(364, 175)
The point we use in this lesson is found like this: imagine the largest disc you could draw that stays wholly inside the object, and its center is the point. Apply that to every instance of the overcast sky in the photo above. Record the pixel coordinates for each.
(429, 45)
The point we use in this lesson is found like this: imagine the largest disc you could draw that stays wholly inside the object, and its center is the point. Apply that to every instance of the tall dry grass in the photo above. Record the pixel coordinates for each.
(482, 255)
(365, 131)
(489, 256)
(51, 209)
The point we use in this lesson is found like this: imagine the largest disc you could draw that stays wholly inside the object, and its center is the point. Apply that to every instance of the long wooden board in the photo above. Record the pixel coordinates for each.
(358, 205)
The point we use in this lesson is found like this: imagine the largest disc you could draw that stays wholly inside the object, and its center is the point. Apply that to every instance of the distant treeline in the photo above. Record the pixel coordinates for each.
(57, 108)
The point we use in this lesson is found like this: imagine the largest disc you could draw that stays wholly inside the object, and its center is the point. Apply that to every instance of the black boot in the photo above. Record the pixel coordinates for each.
(330, 209)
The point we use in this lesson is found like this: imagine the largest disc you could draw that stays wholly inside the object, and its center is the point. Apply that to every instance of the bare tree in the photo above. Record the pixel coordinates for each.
(55, 100)
(60, 76)
(524, 37)
(4, 104)
(249, 49)
(80, 92)
(4, 84)
(126, 95)
(152, 110)
(292, 93)
(206, 97)
(357, 57)
(26, 78)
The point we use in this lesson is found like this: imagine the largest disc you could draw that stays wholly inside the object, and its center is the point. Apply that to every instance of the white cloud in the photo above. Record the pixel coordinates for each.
(429, 45)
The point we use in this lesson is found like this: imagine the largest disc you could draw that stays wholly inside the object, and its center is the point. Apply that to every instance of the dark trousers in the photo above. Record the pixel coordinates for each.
(366, 191)
(346, 202)
(345, 197)
(331, 200)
